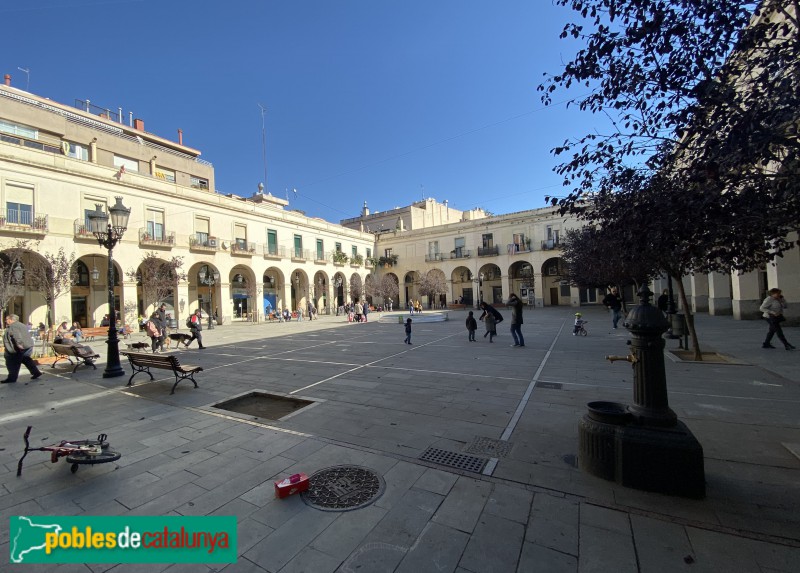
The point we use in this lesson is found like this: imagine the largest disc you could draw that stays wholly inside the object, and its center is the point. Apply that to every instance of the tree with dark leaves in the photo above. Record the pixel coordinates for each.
(708, 91)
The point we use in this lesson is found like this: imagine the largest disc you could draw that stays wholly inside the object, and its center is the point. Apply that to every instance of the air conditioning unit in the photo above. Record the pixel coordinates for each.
(212, 242)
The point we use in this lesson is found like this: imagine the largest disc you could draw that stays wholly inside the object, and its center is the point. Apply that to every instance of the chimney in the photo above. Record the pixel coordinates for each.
(138, 124)
(180, 137)
(8, 79)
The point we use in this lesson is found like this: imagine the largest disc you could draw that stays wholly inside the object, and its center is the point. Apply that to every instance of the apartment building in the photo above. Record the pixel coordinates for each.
(59, 162)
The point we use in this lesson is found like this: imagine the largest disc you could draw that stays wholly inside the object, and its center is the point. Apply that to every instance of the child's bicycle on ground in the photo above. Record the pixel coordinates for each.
(77, 452)
(581, 329)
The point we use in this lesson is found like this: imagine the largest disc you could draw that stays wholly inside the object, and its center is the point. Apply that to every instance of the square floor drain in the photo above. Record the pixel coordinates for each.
(488, 447)
(454, 460)
(549, 385)
(263, 405)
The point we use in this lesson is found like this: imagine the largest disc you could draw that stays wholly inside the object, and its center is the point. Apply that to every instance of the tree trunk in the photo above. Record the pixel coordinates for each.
(689, 319)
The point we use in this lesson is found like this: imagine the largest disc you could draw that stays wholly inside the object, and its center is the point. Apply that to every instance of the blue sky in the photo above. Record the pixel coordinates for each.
(384, 101)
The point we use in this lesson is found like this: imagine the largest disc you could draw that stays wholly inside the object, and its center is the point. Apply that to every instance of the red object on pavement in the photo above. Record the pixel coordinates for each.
(291, 485)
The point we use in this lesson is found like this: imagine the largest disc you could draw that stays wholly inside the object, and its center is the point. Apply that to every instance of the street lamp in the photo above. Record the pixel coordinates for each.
(109, 233)
(479, 281)
(209, 278)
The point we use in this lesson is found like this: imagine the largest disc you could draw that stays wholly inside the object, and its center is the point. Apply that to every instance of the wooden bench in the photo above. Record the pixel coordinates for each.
(141, 362)
(82, 355)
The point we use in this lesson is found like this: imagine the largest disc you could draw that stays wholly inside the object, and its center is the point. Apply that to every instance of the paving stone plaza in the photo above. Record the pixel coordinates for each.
(379, 404)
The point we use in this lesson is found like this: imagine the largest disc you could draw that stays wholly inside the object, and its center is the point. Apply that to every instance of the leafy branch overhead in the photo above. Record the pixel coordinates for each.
(706, 94)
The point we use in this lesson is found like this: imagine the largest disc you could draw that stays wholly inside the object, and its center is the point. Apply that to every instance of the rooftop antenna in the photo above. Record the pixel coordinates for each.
(264, 142)
(422, 190)
(28, 75)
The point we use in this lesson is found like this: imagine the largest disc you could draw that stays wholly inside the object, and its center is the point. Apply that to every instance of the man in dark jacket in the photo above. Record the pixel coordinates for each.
(196, 326)
(18, 347)
(613, 302)
(516, 319)
(162, 324)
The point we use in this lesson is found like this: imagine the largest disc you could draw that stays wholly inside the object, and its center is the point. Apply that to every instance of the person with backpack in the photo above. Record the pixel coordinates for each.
(195, 324)
(151, 327)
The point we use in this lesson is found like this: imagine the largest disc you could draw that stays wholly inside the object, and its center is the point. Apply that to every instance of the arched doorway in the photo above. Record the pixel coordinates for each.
(273, 281)
(463, 292)
(490, 285)
(522, 281)
(555, 287)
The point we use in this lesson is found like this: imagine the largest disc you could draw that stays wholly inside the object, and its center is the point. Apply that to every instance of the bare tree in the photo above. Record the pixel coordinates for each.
(53, 275)
(356, 287)
(384, 288)
(253, 290)
(158, 277)
(432, 284)
(12, 275)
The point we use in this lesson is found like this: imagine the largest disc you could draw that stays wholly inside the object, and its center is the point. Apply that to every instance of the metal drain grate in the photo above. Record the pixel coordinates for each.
(489, 447)
(454, 460)
(342, 488)
(549, 385)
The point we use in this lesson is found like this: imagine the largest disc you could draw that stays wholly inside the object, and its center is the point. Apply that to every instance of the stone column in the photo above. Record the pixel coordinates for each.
(699, 285)
(785, 275)
(746, 296)
(182, 296)
(719, 294)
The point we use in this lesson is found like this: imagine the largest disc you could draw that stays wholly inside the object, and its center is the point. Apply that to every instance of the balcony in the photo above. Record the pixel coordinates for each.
(320, 258)
(24, 222)
(517, 248)
(433, 257)
(201, 243)
(550, 244)
(368, 263)
(81, 231)
(243, 248)
(301, 255)
(488, 251)
(155, 239)
(460, 253)
(275, 252)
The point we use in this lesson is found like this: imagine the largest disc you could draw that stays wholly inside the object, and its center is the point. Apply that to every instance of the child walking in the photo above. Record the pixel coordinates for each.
(578, 324)
(472, 326)
(491, 326)
(408, 331)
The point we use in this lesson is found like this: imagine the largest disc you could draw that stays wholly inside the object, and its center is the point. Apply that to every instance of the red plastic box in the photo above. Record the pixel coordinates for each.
(291, 485)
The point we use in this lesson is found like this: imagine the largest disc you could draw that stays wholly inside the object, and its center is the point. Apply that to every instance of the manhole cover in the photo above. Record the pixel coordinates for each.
(263, 405)
(342, 488)
(488, 447)
(454, 460)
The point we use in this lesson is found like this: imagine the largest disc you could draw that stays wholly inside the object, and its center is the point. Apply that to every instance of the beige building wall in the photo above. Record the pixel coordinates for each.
(229, 234)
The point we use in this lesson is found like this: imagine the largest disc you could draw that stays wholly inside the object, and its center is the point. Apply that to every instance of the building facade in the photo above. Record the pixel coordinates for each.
(58, 163)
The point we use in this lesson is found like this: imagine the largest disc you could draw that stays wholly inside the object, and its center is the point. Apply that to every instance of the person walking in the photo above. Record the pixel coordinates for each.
(472, 326)
(162, 324)
(408, 331)
(195, 324)
(516, 320)
(613, 302)
(491, 325)
(488, 309)
(772, 309)
(366, 310)
(153, 331)
(18, 347)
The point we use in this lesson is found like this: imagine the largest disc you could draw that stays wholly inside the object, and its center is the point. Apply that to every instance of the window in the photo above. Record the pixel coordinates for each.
(89, 204)
(488, 241)
(320, 250)
(155, 224)
(127, 163)
(458, 247)
(18, 129)
(298, 246)
(519, 242)
(19, 204)
(387, 253)
(369, 253)
(272, 242)
(198, 182)
(338, 247)
(201, 229)
(433, 248)
(75, 150)
(354, 250)
(240, 236)
(165, 174)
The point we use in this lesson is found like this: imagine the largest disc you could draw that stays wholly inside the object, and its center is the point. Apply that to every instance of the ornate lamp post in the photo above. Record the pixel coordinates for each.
(337, 283)
(109, 233)
(479, 281)
(209, 278)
